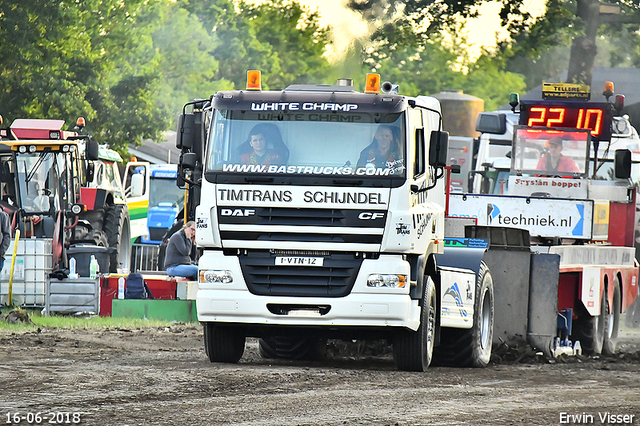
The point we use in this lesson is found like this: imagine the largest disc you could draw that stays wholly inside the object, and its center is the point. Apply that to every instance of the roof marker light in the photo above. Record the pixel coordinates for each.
(254, 80)
(372, 84)
(608, 89)
(514, 100)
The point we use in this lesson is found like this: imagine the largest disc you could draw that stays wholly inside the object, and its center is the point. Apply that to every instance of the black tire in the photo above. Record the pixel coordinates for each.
(116, 226)
(613, 321)
(471, 347)
(590, 330)
(297, 348)
(223, 343)
(632, 316)
(99, 238)
(413, 350)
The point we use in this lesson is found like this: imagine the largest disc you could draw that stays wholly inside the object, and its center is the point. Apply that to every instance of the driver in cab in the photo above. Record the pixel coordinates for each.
(555, 161)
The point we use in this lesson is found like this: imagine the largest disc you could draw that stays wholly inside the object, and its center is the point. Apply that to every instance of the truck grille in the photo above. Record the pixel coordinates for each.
(334, 279)
(296, 225)
(156, 234)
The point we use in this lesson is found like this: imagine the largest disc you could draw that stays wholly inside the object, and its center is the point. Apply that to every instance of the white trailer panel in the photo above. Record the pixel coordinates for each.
(542, 217)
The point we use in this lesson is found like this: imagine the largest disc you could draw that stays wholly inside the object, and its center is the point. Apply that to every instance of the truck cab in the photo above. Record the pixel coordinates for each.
(321, 213)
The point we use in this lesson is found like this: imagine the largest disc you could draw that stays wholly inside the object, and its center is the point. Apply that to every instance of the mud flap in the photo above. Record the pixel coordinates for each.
(543, 301)
(510, 269)
(525, 286)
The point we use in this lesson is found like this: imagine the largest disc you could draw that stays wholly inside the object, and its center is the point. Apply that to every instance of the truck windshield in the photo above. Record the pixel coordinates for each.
(362, 145)
(42, 181)
(550, 152)
(165, 193)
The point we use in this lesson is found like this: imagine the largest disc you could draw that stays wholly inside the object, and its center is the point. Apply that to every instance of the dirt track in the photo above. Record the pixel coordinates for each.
(162, 377)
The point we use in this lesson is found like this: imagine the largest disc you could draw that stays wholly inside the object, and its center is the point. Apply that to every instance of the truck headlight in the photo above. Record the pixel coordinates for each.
(216, 276)
(387, 280)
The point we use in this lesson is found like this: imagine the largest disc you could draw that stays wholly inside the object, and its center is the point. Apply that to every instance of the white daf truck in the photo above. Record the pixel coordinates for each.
(308, 231)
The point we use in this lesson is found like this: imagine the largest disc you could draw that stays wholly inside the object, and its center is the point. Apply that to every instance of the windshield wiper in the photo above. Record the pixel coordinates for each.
(348, 182)
(258, 179)
(35, 167)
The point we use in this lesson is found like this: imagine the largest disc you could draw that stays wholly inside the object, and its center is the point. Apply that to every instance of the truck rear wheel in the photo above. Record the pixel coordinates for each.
(471, 347)
(413, 350)
(223, 344)
(613, 322)
(298, 348)
(116, 226)
(590, 330)
(632, 316)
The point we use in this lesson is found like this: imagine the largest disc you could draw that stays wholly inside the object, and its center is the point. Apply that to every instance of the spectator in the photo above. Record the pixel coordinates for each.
(177, 261)
(5, 236)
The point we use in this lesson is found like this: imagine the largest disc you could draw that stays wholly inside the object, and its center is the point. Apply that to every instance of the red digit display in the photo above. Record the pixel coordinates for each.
(574, 115)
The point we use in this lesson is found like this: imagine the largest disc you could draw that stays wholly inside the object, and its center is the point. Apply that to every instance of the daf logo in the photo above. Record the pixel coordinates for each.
(370, 216)
(237, 212)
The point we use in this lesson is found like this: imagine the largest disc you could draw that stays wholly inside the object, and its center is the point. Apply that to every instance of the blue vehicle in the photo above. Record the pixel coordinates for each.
(165, 201)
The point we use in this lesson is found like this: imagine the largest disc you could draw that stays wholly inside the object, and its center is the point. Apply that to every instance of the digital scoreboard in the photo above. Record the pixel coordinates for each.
(594, 116)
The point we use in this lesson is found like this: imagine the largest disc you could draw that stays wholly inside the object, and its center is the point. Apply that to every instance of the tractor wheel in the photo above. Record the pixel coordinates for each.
(116, 226)
(471, 347)
(590, 330)
(613, 322)
(99, 238)
(223, 344)
(297, 348)
(413, 350)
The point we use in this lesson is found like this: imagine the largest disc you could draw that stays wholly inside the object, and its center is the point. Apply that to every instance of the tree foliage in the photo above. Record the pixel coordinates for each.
(67, 59)
(129, 66)
(282, 39)
(431, 64)
(564, 37)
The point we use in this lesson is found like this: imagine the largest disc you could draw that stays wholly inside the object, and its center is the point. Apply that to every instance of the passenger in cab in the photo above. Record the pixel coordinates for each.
(256, 150)
(554, 160)
(385, 151)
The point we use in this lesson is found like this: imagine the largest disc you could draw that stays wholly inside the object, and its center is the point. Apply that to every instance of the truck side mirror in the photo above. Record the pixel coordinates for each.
(92, 150)
(491, 122)
(438, 148)
(188, 161)
(184, 135)
(137, 185)
(622, 164)
(90, 171)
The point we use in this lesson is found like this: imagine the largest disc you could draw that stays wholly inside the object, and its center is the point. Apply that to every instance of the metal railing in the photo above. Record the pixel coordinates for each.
(144, 258)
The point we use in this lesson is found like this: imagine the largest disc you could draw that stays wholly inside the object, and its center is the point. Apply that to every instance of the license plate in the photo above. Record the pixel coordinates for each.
(299, 261)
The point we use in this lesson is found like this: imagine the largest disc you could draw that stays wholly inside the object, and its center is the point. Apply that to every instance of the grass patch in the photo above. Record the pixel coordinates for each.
(76, 322)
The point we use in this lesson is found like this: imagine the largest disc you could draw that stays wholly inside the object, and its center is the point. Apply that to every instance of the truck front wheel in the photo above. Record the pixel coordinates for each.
(223, 343)
(413, 350)
(471, 347)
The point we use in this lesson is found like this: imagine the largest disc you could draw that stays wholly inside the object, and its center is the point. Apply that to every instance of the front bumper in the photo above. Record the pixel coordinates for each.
(362, 307)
